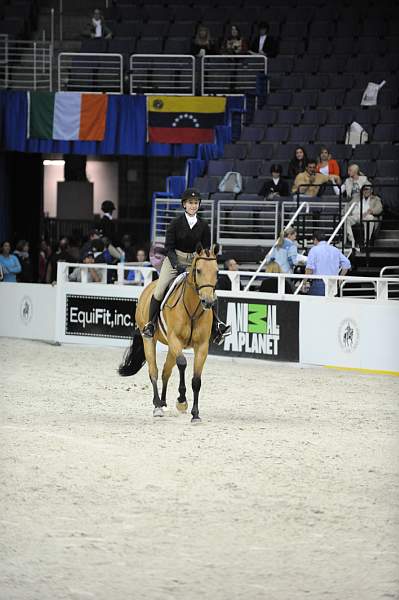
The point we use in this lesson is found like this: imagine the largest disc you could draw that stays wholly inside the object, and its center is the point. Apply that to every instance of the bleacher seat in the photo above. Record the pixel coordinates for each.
(343, 46)
(289, 117)
(306, 64)
(294, 82)
(305, 98)
(366, 152)
(149, 45)
(342, 116)
(319, 46)
(279, 99)
(236, 151)
(260, 151)
(277, 134)
(321, 29)
(177, 45)
(221, 166)
(331, 133)
(266, 116)
(249, 167)
(303, 134)
(253, 134)
(388, 168)
(386, 133)
(316, 116)
(331, 98)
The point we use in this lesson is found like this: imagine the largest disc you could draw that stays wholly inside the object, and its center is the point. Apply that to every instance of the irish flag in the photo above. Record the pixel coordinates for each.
(66, 116)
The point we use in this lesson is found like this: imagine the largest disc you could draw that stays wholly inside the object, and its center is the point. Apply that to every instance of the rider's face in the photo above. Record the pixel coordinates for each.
(191, 206)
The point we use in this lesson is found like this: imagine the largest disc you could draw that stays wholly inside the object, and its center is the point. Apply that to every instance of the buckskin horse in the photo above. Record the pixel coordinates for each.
(186, 322)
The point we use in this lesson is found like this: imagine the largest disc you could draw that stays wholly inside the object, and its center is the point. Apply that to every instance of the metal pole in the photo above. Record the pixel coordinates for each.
(60, 21)
(6, 73)
(44, 51)
(34, 66)
(52, 27)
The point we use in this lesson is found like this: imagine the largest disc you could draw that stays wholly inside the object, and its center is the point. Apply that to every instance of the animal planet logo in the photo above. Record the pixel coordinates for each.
(254, 328)
(348, 335)
(26, 310)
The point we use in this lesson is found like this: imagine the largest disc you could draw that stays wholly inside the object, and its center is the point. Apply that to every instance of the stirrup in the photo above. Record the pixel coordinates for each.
(149, 330)
(222, 331)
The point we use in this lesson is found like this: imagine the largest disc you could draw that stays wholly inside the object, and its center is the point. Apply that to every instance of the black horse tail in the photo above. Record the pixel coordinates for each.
(134, 357)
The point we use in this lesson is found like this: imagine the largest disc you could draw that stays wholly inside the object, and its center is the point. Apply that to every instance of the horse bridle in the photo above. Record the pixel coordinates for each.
(196, 286)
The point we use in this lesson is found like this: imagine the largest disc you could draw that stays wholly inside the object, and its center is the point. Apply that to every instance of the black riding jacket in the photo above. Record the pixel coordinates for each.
(179, 236)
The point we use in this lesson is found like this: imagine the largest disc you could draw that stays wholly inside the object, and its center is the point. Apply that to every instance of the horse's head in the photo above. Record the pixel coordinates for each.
(204, 274)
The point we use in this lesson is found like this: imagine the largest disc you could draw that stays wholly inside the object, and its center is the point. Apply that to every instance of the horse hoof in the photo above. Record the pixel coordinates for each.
(158, 411)
(182, 406)
(195, 420)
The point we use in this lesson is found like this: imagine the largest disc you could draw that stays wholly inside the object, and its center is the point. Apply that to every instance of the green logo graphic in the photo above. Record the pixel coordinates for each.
(257, 318)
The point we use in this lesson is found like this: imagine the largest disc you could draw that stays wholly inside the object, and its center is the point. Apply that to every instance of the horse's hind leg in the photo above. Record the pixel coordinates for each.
(181, 403)
(150, 354)
(200, 354)
(166, 372)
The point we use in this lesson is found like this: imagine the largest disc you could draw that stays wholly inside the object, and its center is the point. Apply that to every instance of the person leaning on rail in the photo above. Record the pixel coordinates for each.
(183, 235)
(324, 259)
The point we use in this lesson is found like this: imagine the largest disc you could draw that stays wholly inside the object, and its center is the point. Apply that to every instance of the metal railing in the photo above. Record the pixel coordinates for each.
(167, 209)
(90, 72)
(25, 65)
(162, 74)
(319, 216)
(233, 75)
(246, 223)
(393, 283)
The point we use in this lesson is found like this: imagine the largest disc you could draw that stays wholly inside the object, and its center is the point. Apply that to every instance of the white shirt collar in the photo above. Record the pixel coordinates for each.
(191, 220)
(108, 215)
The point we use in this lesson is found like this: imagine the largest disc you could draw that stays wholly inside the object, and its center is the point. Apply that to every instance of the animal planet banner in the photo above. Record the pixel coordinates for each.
(184, 119)
(260, 329)
(100, 316)
(67, 116)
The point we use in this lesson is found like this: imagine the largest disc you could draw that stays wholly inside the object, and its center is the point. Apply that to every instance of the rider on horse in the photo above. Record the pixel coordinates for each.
(183, 235)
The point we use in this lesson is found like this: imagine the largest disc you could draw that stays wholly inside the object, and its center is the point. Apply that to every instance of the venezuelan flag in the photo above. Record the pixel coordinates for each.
(184, 119)
(67, 115)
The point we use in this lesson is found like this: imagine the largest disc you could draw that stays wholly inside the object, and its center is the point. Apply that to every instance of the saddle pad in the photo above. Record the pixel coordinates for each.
(179, 279)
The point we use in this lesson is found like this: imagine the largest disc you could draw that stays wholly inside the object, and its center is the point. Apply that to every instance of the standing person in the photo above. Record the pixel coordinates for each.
(107, 228)
(263, 43)
(298, 162)
(62, 254)
(22, 253)
(88, 246)
(183, 235)
(44, 255)
(285, 252)
(324, 259)
(234, 43)
(9, 263)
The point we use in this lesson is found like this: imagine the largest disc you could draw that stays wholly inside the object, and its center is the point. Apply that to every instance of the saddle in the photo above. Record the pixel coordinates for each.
(172, 286)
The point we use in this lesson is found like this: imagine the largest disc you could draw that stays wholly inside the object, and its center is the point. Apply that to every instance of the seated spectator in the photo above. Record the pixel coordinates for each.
(270, 284)
(234, 43)
(275, 187)
(354, 183)
(44, 255)
(224, 281)
(97, 27)
(136, 277)
(202, 43)
(93, 275)
(88, 246)
(127, 248)
(285, 252)
(297, 163)
(157, 256)
(22, 253)
(372, 208)
(62, 254)
(263, 43)
(309, 183)
(326, 164)
(9, 263)
(324, 259)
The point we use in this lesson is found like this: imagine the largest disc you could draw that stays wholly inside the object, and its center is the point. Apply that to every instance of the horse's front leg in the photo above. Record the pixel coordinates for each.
(166, 373)
(181, 403)
(150, 354)
(200, 354)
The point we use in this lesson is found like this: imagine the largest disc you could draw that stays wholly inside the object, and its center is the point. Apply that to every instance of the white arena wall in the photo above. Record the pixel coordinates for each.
(338, 332)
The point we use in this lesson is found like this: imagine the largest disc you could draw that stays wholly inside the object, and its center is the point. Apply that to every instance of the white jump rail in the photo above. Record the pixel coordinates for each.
(304, 206)
(90, 72)
(393, 286)
(223, 74)
(25, 65)
(167, 74)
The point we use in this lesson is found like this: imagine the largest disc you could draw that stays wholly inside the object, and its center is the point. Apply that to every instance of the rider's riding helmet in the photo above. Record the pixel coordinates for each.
(191, 193)
(108, 206)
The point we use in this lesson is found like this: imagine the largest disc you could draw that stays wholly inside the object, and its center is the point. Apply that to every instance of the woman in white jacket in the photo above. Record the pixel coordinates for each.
(352, 189)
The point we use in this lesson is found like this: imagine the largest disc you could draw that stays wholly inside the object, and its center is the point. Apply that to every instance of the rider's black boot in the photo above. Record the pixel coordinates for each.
(149, 328)
(219, 330)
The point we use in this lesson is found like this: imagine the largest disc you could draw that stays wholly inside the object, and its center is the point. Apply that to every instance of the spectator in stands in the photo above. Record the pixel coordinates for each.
(234, 43)
(371, 207)
(326, 164)
(97, 27)
(297, 163)
(9, 263)
(157, 256)
(202, 43)
(88, 246)
(263, 43)
(224, 281)
(127, 248)
(141, 255)
(22, 253)
(44, 255)
(62, 254)
(270, 284)
(93, 275)
(309, 183)
(136, 277)
(354, 183)
(324, 259)
(285, 252)
(275, 187)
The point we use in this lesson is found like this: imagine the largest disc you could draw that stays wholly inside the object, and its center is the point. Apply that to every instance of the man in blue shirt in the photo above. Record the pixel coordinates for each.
(9, 263)
(324, 259)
